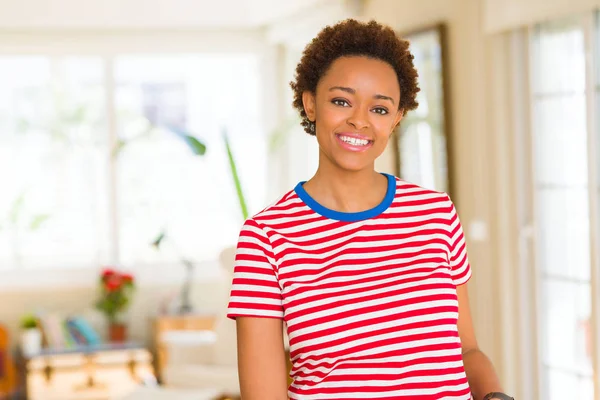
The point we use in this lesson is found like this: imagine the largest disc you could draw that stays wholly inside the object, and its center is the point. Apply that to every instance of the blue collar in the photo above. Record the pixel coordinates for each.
(349, 217)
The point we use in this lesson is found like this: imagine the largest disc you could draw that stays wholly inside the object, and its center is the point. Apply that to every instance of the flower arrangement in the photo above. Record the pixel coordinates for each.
(116, 290)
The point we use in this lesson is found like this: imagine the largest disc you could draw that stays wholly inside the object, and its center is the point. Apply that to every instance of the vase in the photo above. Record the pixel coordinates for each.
(117, 332)
(31, 341)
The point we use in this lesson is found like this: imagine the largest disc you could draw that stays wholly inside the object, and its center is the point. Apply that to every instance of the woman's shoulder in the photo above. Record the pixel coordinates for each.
(410, 189)
(281, 207)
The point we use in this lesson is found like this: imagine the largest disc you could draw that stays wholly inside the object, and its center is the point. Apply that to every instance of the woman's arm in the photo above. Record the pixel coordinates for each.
(261, 358)
(480, 371)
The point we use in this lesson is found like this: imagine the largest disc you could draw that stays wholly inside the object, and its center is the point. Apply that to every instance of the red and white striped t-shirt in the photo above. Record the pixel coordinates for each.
(369, 298)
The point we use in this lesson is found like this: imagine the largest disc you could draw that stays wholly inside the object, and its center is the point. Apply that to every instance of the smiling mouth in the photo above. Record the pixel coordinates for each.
(354, 141)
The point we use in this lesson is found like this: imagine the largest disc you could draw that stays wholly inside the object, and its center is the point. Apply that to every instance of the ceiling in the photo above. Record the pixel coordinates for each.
(149, 14)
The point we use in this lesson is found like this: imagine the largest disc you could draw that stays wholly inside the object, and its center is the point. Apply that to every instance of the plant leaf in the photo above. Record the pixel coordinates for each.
(16, 208)
(236, 178)
(156, 242)
(37, 221)
(197, 147)
(118, 147)
(121, 143)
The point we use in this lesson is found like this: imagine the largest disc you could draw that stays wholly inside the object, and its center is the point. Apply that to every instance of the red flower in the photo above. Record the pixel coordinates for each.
(113, 283)
(108, 272)
(127, 278)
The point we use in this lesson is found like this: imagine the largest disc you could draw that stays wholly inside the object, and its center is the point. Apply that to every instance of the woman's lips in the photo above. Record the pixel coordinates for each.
(353, 142)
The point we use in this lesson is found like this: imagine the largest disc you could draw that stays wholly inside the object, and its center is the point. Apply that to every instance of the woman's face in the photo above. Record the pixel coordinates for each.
(355, 109)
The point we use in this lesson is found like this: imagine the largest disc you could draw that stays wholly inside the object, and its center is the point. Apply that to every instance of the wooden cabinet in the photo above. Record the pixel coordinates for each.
(168, 323)
(100, 372)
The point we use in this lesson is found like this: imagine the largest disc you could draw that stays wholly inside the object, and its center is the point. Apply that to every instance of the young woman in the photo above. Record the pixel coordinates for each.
(367, 271)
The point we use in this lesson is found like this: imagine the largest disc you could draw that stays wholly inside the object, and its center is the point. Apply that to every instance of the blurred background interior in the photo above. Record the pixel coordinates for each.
(136, 135)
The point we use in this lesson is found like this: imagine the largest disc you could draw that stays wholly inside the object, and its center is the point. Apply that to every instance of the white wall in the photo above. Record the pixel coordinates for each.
(84, 42)
(503, 15)
(145, 14)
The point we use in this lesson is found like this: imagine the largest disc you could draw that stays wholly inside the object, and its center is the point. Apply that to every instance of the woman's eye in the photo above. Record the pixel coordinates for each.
(380, 110)
(340, 102)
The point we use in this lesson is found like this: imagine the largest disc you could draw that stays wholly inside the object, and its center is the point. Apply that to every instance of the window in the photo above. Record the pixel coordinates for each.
(561, 197)
(160, 184)
(93, 167)
(53, 146)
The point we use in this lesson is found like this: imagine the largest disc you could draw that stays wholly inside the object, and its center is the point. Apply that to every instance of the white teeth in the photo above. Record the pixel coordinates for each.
(354, 141)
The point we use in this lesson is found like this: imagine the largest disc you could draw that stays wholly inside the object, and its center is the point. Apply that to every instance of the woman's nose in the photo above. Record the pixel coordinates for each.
(359, 119)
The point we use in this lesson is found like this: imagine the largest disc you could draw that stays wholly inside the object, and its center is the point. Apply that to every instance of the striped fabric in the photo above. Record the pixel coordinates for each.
(369, 298)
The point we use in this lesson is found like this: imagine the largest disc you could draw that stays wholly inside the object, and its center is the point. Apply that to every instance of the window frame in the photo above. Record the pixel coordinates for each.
(521, 274)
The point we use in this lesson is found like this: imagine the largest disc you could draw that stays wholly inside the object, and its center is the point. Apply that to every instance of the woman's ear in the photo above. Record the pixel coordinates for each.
(398, 118)
(308, 101)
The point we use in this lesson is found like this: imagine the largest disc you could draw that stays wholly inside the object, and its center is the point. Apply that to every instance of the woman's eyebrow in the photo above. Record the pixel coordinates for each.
(383, 97)
(353, 91)
(343, 88)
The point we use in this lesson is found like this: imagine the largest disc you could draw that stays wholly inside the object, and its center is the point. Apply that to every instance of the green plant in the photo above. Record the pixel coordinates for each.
(29, 321)
(199, 149)
(235, 177)
(16, 216)
(18, 221)
(196, 146)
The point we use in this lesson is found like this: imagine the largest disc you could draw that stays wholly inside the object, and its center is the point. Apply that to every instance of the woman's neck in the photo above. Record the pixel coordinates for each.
(347, 191)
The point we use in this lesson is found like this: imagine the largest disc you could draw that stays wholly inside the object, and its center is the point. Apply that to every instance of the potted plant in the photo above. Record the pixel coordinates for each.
(31, 335)
(116, 290)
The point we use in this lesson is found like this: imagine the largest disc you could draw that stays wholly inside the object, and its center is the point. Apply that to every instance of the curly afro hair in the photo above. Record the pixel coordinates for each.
(354, 38)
